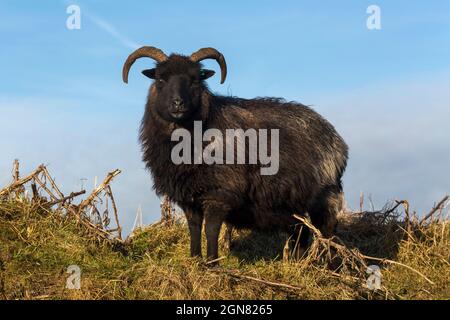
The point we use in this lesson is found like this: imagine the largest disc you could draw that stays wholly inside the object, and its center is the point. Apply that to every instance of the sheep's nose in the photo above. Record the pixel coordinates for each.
(177, 103)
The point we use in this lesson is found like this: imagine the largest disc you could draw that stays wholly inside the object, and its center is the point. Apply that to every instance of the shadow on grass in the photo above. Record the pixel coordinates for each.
(371, 233)
(252, 246)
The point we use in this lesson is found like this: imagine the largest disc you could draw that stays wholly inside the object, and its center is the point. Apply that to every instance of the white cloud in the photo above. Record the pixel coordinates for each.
(76, 146)
(398, 137)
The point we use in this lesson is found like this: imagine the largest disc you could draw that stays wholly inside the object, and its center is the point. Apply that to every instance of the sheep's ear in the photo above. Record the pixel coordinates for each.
(150, 73)
(205, 74)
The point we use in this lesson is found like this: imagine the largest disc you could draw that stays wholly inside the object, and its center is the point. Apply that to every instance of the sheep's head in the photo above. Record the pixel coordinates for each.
(178, 80)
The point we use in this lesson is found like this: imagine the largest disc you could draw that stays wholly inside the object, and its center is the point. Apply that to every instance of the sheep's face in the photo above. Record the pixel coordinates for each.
(179, 80)
(179, 86)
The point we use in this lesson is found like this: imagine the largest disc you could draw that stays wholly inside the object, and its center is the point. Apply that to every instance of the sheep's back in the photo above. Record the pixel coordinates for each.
(312, 155)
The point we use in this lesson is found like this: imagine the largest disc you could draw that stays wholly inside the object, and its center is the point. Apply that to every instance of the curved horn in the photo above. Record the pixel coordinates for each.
(150, 52)
(211, 53)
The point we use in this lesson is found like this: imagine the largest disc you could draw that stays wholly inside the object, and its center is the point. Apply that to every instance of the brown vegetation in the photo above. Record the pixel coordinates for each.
(40, 238)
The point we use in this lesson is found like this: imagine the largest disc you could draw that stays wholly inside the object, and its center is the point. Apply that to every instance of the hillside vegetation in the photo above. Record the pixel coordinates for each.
(37, 245)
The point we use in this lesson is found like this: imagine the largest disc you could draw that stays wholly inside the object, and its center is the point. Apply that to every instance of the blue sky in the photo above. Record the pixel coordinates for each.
(63, 103)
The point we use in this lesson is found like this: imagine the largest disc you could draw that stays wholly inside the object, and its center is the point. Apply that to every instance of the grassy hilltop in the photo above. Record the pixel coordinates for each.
(37, 245)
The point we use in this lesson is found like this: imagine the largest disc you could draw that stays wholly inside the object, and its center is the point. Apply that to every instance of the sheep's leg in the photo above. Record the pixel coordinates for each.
(216, 207)
(215, 213)
(227, 237)
(195, 221)
(324, 212)
(213, 223)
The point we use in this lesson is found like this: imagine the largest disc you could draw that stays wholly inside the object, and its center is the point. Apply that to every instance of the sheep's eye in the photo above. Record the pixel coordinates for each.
(161, 81)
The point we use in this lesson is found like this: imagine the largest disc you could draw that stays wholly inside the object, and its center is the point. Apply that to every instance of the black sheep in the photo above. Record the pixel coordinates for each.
(312, 155)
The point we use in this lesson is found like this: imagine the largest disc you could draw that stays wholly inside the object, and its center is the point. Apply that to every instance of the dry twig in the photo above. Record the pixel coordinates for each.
(354, 252)
(238, 275)
(441, 205)
(42, 177)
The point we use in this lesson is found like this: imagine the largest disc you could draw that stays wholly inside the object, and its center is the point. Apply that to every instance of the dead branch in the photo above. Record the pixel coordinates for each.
(355, 253)
(43, 186)
(236, 274)
(388, 212)
(99, 189)
(215, 260)
(382, 260)
(7, 190)
(89, 225)
(116, 213)
(34, 191)
(42, 177)
(52, 182)
(64, 199)
(439, 206)
(408, 220)
(16, 170)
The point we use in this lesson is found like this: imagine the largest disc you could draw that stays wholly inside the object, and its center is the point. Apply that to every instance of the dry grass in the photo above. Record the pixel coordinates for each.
(38, 245)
